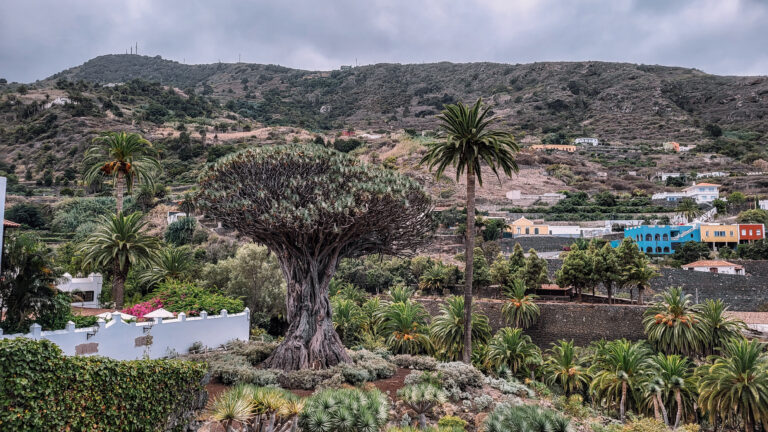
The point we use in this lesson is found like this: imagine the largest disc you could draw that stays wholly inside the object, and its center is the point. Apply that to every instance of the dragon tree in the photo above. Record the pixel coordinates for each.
(312, 207)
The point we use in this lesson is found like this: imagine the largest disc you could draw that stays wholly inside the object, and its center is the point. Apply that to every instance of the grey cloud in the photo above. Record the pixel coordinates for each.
(39, 38)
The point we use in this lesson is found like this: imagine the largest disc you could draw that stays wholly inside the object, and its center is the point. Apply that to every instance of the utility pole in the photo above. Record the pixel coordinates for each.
(238, 57)
(137, 48)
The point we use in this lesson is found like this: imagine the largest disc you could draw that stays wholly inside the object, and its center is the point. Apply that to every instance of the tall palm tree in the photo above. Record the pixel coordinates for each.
(126, 157)
(469, 142)
(735, 386)
(120, 242)
(672, 324)
(618, 373)
(562, 366)
(689, 209)
(447, 328)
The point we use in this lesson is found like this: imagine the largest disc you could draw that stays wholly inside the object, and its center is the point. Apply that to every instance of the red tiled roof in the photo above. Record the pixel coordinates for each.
(9, 224)
(702, 184)
(712, 263)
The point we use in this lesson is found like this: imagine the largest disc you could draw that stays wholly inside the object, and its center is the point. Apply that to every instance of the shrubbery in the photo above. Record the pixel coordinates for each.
(44, 390)
(177, 296)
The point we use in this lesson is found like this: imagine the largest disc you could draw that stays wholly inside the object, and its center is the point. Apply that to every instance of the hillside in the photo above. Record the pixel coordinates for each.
(618, 102)
(196, 113)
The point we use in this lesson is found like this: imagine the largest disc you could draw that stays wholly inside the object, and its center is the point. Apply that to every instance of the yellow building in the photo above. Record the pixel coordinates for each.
(558, 147)
(719, 233)
(525, 226)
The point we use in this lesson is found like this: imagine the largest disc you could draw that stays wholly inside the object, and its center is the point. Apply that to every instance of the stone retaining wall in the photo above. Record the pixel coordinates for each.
(583, 323)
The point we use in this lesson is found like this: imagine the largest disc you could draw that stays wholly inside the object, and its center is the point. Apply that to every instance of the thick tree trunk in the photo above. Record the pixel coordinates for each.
(118, 286)
(656, 413)
(119, 192)
(310, 341)
(640, 289)
(422, 421)
(469, 253)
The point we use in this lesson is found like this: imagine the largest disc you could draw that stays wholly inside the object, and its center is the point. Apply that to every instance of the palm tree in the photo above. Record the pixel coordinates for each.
(126, 157)
(688, 209)
(447, 328)
(618, 372)
(672, 325)
(735, 386)
(563, 367)
(347, 319)
(404, 325)
(171, 263)
(718, 327)
(674, 374)
(512, 349)
(120, 242)
(27, 281)
(470, 142)
(520, 310)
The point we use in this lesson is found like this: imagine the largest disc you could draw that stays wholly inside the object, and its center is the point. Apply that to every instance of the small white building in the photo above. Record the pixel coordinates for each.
(174, 216)
(763, 204)
(565, 231)
(87, 289)
(587, 141)
(665, 175)
(723, 267)
(712, 174)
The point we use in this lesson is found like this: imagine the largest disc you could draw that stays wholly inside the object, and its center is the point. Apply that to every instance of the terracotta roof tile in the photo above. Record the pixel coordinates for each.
(712, 263)
(9, 224)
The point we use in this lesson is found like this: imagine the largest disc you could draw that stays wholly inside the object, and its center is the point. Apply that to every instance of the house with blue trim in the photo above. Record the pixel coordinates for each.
(661, 239)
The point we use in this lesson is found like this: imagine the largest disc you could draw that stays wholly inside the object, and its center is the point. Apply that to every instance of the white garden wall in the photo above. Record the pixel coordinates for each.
(130, 341)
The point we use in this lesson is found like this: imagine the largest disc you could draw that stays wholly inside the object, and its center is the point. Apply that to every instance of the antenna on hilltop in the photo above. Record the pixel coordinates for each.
(131, 49)
(238, 57)
(137, 48)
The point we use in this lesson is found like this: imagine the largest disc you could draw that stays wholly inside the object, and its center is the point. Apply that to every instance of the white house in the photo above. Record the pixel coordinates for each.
(87, 289)
(763, 204)
(665, 175)
(712, 174)
(587, 141)
(701, 193)
(723, 267)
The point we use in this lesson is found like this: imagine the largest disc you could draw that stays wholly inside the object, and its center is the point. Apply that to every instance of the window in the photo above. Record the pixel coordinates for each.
(657, 237)
(665, 237)
(649, 249)
(666, 249)
(82, 296)
(648, 237)
(758, 232)
(744, 232)
(527, 230)
(535, 230)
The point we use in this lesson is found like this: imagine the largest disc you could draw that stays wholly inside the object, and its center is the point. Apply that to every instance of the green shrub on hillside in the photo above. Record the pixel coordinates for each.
(44, 390)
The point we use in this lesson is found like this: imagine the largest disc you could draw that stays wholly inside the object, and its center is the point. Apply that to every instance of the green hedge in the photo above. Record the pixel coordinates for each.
(41, 389)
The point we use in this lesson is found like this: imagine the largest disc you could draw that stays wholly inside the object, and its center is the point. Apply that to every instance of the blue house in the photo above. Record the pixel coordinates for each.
(661, 239)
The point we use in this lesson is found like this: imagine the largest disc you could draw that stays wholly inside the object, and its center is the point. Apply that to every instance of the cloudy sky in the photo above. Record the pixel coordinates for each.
(39, 38)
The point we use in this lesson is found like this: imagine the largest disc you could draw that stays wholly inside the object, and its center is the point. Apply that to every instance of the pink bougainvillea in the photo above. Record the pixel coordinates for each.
(140, 309)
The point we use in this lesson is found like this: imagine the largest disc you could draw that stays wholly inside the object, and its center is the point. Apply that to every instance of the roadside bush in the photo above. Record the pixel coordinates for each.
(345, 410)
(44, 390)
(26, 214)
(415, 362)
(376, 366)
(255, 351)
(191, 299)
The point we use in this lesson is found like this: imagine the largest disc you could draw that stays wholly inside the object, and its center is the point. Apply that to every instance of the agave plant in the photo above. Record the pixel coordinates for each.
(718, 327)
(404, 325)
(514, 350)
(233, 408)
(672, 324)
(735, 387)
(421, 398)
(248, 407)
(526, 418)
(344, 410)
(674, 375)
(564, 368)
(448, 328)
(618, 374)
(520, 310)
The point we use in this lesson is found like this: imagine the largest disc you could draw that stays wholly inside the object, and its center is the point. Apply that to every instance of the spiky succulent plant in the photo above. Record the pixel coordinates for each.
(345, 410)
(526, 418)
(421, 398)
